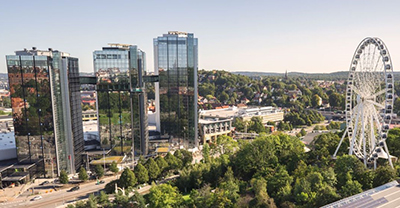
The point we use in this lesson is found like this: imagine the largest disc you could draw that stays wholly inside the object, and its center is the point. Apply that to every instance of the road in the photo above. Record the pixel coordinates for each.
(60, 197)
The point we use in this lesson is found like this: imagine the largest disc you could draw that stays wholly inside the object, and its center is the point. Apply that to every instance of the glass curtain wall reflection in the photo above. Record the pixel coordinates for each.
(176, 92)
(39, 117)
(119, 69)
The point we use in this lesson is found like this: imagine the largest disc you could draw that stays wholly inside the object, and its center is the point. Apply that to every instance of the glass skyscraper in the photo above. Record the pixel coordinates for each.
(121, 97)
(175, 60)
(45, 99)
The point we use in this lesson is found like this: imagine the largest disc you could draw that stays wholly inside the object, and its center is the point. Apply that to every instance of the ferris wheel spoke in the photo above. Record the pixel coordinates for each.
(376, 104)
(377, 120)
(356, 90)
(377, 94)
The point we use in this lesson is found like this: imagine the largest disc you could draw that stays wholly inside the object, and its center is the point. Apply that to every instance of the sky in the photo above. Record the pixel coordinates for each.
(265, 36)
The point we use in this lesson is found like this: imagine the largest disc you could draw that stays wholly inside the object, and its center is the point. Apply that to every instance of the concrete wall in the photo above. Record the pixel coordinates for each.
(6, 154)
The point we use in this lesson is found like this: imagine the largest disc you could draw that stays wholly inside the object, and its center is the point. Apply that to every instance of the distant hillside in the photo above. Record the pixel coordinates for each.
(334, 75)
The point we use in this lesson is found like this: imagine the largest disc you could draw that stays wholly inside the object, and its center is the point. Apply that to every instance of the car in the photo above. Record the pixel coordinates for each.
(44, 183)
(36, 198)
(75, 188)
(100, 182)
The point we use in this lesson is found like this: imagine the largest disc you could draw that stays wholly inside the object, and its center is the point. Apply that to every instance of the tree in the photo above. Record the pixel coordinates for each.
(161, 163)
(336, 100)
(102, 199)
(255, 156)
(141, 160)
(127, 179)
(110, 187)
(172, 161)
(239, 124)
(138, 200)
(153, 169)
(229, 186)
(226, 144)
(98, 169)
(393, 140)
(164, 196)
(141, 174)
(63, 177)
(279, 183)
(384, 174)
(114, 168)
(223, 97)
(91, 202)
(347, 163)
(206, 153)
(179, 156)
(187, 157)
(351, 188)
(83, 176)
(261, 196)
(303, 132)
(256, 125)
(316, 101)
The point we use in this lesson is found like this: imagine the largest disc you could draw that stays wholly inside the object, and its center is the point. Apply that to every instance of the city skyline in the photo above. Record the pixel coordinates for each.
(316, 36)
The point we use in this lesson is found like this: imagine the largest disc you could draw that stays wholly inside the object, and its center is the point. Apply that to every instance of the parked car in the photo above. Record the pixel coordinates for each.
(36, 198)
(75, 188)
(44, 183)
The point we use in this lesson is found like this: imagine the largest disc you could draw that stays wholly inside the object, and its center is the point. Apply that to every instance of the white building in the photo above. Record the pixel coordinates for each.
(7, 139)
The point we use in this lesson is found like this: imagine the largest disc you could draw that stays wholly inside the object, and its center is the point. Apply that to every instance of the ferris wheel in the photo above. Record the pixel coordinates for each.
(369, 102)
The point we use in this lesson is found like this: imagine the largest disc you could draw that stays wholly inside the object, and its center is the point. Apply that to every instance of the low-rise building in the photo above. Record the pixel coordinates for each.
(213, 123)
(212, 127)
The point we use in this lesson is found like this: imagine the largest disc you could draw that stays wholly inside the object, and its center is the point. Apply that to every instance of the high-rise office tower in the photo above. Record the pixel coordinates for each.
(47, 114)
(121, 96)
(175, 60)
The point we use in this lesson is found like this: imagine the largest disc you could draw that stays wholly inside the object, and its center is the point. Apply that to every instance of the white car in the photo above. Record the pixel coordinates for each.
(36, 198)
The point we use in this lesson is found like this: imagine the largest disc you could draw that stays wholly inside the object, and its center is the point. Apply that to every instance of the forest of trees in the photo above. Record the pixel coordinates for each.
(270, 171)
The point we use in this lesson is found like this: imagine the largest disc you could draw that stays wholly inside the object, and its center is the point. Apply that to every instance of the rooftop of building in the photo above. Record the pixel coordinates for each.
(384, 196)
(237, 112)
(35, 52)
(118, 46)
(209, 120)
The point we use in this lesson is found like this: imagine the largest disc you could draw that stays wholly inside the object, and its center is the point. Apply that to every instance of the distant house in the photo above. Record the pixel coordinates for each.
(257, 98)
(244, 100)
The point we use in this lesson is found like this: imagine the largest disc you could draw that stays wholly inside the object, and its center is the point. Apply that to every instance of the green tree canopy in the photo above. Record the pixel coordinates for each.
(114, 168)
(141, 174)
(99, 170)
(127, 179)
(83, 176)
(161, 163)
(153, 169)
(63, 177)
(164, 196)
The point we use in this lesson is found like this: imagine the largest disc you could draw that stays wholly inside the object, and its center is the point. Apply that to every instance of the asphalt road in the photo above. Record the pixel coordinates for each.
(58, 198)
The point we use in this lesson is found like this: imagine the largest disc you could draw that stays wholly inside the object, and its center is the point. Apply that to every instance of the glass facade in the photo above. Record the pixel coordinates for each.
(176, 93)
(119, 70)
(43, 125)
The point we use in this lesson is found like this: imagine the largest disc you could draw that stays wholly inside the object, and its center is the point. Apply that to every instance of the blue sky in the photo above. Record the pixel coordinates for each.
(270, 36)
